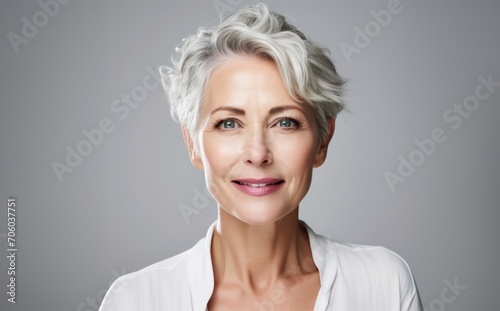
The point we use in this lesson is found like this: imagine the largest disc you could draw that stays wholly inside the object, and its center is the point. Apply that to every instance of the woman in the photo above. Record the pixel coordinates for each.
(257, 102)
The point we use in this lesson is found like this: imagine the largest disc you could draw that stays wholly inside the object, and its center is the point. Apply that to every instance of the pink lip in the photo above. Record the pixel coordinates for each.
(273, 185)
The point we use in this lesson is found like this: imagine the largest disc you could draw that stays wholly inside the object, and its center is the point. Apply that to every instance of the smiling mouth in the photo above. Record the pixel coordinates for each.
(257, 185)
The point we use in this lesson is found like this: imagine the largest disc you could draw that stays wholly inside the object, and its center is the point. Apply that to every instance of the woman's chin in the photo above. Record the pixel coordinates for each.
(252, 216)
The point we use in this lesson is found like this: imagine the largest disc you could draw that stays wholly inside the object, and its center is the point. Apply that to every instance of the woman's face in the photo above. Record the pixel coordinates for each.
(257, 145)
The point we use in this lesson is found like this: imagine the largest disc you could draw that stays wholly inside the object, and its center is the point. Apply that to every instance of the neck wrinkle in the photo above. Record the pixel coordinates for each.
(260, 256)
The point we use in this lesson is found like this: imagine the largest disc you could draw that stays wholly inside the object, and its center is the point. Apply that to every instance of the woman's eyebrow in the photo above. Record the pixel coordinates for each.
(239, 111)
(234, 110)
(279, 109)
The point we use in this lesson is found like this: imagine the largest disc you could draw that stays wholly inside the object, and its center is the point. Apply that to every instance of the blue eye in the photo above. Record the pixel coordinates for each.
(227, 124)
(288, 123)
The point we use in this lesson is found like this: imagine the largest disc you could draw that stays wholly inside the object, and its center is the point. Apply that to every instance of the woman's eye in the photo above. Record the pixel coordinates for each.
(227, 124)
(287, 123)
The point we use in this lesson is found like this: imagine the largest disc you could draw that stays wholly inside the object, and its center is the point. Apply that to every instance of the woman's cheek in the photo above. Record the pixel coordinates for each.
(221, 149)
(297, 145)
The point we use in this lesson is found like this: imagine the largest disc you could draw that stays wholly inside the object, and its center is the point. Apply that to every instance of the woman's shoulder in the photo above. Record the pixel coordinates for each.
(354, 255)
(175, 264)
(379, 266)
(350, 253)
(378, 259)
(367, 262)
(365, 269)
(169, 274)
(372, 254)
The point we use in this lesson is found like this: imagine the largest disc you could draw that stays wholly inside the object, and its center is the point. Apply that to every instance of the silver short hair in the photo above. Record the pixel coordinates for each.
(307, 71)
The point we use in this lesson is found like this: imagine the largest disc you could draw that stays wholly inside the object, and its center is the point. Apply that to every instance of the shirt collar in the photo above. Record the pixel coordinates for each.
(200, 271)
(324, 252)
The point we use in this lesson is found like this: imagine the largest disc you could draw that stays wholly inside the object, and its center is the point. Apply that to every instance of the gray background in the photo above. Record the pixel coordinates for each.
(119, 209)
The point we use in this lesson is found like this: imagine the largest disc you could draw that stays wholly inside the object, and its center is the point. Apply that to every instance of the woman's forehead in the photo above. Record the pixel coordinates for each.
(245, 80)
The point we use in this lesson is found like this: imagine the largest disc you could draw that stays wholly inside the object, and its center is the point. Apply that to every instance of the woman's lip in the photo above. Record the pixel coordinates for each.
(258, 180)
(263, 188)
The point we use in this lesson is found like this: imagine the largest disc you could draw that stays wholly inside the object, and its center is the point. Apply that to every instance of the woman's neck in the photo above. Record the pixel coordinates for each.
(259, 256)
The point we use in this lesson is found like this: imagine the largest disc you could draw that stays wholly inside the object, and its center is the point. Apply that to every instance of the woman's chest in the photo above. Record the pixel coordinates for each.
(300, 296)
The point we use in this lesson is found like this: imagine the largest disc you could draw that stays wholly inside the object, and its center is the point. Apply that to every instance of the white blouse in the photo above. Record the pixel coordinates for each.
(353, 277)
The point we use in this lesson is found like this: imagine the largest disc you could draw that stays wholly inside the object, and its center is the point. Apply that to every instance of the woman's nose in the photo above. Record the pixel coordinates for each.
(258, 152)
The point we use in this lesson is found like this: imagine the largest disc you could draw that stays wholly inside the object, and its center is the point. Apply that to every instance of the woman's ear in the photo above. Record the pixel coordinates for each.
(323, 149)
(193, 154)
